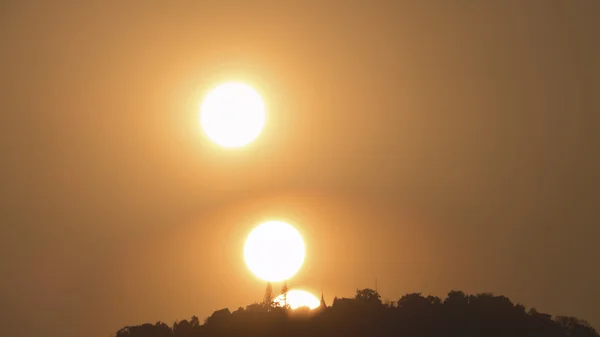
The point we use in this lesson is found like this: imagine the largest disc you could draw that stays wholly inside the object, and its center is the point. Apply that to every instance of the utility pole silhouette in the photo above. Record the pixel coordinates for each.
(284, 291)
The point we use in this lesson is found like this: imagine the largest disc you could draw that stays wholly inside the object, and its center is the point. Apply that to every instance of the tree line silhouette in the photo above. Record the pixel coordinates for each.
(413, 315)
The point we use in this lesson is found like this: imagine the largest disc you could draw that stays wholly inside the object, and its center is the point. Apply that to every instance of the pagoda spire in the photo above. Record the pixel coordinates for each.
(323, 305)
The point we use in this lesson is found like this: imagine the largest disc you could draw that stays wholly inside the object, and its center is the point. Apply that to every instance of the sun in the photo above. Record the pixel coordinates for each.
(299, 298)
(232, 114)
(274, 251)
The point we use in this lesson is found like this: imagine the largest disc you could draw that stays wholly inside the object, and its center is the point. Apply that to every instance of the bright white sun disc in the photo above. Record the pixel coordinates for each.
(232, 115)
(274, 251)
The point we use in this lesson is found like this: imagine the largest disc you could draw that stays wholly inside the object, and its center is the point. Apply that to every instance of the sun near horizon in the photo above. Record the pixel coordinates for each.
(298, 298)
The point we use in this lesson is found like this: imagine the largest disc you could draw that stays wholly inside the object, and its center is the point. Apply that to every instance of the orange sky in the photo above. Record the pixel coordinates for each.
(433, 146)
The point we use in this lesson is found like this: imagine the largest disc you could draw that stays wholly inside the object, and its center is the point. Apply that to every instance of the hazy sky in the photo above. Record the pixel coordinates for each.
(434, 145)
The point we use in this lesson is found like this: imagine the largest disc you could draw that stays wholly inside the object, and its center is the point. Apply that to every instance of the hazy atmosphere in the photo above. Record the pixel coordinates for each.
(431, 145)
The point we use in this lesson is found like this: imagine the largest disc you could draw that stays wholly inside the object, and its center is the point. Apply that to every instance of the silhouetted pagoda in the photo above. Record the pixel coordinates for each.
(322, 305)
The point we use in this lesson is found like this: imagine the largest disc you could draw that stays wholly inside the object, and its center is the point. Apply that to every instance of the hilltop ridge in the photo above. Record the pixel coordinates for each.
(413, 315)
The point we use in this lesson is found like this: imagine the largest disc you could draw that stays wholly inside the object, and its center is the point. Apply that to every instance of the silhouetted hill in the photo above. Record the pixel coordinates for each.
(413, 315)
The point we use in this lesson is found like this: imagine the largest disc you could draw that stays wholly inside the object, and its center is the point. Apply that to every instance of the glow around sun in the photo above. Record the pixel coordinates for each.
(274, 251)
(232, 114)
(299, 298)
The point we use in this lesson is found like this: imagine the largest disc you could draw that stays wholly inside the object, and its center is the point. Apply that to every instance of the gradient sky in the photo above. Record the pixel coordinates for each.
(433, 145)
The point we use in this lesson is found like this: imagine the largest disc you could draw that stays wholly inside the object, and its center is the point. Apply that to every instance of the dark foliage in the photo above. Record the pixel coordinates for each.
(413, 315)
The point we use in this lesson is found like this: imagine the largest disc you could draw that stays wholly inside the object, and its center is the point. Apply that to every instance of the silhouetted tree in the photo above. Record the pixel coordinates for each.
(575, 327)
(255, 307)
(146, 330)
(368, 295)
(268, 299)
(182, 328)
(413, 302)
(284, 292)
(219, 317)
(456, 299)
(195, 322)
